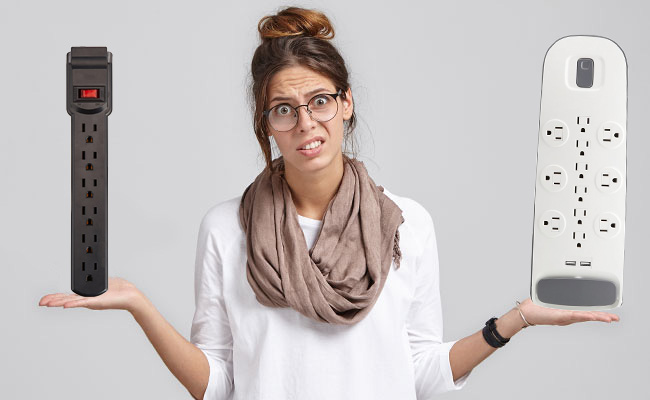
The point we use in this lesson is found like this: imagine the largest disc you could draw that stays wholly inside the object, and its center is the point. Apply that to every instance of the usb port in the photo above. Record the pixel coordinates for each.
(585, 263)
(570, 262)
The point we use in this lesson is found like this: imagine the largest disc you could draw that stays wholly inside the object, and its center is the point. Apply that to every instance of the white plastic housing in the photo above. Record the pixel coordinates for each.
(580, 188)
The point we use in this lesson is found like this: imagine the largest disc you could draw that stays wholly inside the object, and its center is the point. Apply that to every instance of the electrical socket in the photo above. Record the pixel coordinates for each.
(554, 178)
(555, 132)
(583, 123)
(579, 237)
(607, 225)
(552, 223)
(609, 180)
(611, 134)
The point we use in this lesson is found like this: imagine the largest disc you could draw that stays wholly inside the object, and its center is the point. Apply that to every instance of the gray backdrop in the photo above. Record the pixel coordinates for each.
(448, 99)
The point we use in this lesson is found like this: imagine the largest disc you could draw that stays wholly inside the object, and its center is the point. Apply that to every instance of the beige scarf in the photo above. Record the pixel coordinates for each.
(341, 277)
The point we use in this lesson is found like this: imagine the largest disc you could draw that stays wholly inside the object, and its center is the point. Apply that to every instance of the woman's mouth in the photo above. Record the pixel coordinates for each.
(312, 148)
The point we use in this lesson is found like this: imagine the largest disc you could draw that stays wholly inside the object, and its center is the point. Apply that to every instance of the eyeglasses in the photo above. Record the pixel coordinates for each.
(321, 107)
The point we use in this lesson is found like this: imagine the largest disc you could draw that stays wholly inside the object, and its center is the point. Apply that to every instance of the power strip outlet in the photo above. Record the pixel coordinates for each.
(89, 103)
(580, 190)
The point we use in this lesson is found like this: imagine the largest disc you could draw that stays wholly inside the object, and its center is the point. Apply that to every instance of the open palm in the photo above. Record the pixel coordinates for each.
(120, 295)
(539, 315)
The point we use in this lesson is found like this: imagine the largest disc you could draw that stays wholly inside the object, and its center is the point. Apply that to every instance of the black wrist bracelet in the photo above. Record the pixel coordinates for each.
(493, 328)
(491, 336)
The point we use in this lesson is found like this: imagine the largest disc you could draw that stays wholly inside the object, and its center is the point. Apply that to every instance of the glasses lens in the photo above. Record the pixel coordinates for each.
(322, 108)
(283, 117)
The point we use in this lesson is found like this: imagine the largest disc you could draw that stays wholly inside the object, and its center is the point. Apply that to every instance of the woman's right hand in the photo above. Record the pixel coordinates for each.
(121, 295)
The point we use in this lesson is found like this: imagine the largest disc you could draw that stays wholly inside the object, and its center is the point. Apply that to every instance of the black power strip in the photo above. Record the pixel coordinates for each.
(89, 103)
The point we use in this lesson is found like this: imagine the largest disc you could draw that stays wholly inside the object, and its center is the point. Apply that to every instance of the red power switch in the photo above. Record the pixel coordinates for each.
(89, 93)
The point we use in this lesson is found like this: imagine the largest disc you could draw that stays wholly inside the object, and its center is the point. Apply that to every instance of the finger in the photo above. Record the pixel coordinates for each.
(76, 303)
(583, 316)
(610, 317)
(49, 297)
(61, 300)
(598, 316)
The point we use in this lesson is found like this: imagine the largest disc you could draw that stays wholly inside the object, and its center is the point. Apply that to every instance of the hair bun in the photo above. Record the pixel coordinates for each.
(294, 21)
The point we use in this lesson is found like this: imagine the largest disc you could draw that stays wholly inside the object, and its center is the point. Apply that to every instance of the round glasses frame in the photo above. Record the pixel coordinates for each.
(333, 95)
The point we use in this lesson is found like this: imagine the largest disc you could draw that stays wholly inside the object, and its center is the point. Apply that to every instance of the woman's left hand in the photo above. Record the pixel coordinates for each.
(539, 315)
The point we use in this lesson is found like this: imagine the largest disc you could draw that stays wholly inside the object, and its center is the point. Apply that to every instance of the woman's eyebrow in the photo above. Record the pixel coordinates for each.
(289, 98)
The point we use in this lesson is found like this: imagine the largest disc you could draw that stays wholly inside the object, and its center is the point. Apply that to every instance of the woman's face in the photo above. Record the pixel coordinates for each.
(297, 85)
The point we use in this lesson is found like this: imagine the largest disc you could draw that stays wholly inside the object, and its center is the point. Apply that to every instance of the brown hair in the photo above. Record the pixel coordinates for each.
(294, 36)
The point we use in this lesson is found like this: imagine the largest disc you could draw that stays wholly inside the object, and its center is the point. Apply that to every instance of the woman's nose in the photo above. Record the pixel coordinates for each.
(304, 119)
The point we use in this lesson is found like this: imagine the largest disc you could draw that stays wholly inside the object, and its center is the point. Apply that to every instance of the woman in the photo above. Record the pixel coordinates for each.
(315, 283)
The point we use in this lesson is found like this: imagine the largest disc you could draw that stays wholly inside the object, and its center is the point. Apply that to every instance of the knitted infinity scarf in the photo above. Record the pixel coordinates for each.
(341, 277)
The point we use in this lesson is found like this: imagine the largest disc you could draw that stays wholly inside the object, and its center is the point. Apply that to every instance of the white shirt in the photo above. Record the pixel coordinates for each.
(258, 352)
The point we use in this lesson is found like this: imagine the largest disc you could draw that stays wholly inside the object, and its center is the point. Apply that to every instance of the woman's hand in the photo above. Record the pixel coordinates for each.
(539, 315)
(121, 295)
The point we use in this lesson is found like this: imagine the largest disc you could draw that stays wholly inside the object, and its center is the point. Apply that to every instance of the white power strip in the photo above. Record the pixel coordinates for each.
(580, 190)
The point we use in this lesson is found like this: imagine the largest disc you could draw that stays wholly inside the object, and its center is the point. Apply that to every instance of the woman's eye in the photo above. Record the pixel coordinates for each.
(282, 110)
(319, 101)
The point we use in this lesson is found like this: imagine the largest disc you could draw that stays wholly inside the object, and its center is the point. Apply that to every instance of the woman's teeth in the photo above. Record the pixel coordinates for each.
(311, 145)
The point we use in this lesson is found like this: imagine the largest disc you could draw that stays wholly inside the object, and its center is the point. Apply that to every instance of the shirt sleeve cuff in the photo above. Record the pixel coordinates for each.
(220, 383)
(446, 368)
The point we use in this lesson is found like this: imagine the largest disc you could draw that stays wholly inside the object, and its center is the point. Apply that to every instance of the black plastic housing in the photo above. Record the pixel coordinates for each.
(89, 69)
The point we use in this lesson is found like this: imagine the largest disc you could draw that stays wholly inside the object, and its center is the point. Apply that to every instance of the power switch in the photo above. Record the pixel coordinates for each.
(88, 93)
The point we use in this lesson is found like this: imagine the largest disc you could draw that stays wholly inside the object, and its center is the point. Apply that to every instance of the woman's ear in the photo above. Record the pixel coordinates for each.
(348, 105)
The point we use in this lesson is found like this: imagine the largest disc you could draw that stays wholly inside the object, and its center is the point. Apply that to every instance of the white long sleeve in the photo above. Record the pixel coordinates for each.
(433, 374)
(210, 327)
(257, 352)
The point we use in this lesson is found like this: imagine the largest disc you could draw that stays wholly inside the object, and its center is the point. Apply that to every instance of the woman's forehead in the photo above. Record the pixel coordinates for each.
(295, 82)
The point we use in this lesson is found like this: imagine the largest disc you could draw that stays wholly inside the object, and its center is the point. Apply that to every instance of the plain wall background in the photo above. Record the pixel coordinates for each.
(448, 99)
